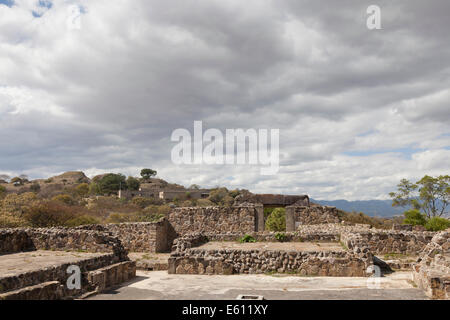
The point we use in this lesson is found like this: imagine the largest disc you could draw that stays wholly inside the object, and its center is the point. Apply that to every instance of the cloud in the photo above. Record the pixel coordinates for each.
(357, 109)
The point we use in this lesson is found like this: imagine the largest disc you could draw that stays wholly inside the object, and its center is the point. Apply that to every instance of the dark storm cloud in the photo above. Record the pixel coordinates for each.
(109, 95)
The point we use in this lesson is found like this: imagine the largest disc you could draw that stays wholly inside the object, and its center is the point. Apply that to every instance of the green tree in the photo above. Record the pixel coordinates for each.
(147, 173)
(133, 183)
(431, 195)
(94, 189)
(277, 220)
(17, 181)
(111, 183)
(414, 217)
(437, 224)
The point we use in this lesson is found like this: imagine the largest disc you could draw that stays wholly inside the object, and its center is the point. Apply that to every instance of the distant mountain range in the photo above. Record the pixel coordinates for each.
(373, 208)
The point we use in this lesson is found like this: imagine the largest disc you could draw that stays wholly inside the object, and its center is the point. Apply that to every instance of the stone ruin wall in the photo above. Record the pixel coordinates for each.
(14, 240)
(187, 220)
(56, 273)
(311, 215)
(109, 268)
(187, 259)
(336, 264)
(61, 239)
(144, 236)
(384, 242)
(432, 272)
(216, 221)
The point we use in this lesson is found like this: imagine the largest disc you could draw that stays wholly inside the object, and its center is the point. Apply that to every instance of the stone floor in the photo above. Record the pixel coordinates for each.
(160, 285)
(288, 246)
(18, 263)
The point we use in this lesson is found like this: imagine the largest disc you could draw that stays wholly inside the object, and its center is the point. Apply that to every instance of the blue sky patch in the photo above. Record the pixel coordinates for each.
(406, 152)
(8, 3)
(45, 4)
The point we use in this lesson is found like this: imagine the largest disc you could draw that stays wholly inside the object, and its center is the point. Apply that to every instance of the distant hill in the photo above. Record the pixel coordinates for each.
(379, 208)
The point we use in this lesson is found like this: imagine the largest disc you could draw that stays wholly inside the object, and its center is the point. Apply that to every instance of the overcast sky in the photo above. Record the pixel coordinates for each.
(102, 91)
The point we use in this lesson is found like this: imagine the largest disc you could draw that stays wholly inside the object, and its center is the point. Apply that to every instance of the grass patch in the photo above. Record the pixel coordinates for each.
(281, 236)
(395, 255)
(412, 283)
(247, 238)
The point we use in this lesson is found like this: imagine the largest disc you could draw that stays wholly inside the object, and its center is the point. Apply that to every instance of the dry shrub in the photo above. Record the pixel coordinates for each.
(50, 214)
(9, 220)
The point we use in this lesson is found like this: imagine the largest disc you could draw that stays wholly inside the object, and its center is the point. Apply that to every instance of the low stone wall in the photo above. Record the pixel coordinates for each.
(187, 220)
(50, 284)
(54, 273)
(140, 236)
(111, 275)
(14, 240)
(197, 261)
(144, 236)
(64, 239)
(432, 271)
(58, 238)
(383, 242)
(111, 260)
(187, 259)
(305, 215)
(51, 290)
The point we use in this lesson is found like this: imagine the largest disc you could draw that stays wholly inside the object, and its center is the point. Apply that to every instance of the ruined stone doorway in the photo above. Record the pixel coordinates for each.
(276, 222)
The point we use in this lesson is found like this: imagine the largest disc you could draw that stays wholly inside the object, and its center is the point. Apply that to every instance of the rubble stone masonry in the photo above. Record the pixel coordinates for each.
(187, 259)
(383, 242)
(432, 271)
(61, 239)
(143, 236)
(310, 215)
(187, 220)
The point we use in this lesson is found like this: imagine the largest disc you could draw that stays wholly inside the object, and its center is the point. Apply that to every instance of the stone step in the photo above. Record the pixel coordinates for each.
(93, 282)
(112, 275)
(14, 279)
(51, 290)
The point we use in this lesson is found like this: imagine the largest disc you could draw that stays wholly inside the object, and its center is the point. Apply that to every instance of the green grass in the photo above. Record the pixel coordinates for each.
(343, 245)
(395, 255)
(247, 238)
